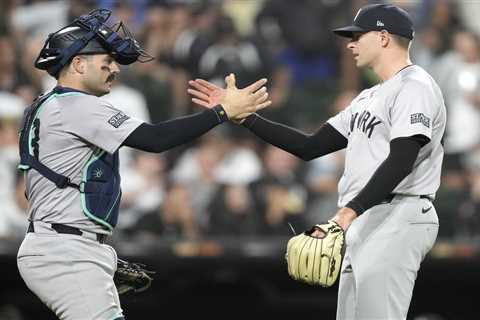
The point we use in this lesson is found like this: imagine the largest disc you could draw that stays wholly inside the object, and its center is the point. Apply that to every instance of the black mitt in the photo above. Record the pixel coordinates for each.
(132, 276)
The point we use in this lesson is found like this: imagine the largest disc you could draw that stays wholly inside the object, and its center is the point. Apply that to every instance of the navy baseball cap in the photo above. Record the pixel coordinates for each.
(378, 17)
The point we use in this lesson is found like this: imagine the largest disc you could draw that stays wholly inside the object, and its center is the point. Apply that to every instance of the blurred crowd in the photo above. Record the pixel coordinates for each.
(229, 183)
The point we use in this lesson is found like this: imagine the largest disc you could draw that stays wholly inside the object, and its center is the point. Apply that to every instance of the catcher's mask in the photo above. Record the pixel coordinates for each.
(89, 34)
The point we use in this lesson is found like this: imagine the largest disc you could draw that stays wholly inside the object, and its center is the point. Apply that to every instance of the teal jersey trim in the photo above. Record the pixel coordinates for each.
(119, 316)
(113, 206)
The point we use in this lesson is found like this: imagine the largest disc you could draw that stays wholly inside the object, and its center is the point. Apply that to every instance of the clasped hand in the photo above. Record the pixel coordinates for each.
(237, 103)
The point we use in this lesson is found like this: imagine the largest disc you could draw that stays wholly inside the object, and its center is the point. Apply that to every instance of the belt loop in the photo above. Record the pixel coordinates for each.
(101, 238)
(31, 228)
(424, 196)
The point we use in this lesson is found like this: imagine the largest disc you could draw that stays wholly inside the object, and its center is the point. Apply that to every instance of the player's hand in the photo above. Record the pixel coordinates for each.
(344, 217)
(238, 103)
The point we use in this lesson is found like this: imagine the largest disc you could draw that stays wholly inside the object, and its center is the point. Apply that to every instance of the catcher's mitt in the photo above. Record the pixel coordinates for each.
(316, 260)
(132, 276)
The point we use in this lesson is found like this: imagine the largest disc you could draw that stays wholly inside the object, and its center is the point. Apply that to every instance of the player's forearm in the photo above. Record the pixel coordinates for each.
(305, 146)
(398, 165)
(168, 134)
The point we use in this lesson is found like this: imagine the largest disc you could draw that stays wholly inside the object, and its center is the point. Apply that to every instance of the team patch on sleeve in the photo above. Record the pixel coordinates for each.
(420, 118)
(117, 120)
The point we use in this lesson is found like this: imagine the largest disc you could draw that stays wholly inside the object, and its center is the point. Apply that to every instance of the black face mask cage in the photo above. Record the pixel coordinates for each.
(125, 49)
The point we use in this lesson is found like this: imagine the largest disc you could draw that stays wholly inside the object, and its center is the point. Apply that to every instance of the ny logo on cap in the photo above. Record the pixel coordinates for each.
(380, 23)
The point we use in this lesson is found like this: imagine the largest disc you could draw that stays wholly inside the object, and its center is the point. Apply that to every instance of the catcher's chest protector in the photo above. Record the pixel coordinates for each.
(100, 184)
(100, 188)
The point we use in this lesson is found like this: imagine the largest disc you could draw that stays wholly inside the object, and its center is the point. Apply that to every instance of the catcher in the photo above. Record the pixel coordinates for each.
(69, 145)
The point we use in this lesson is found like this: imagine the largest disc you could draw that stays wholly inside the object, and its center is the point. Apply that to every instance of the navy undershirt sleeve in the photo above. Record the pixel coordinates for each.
(305, 146)
(168, 134)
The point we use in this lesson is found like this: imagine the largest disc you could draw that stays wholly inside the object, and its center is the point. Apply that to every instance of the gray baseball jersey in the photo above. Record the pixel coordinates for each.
(73, 125)
(407, 104)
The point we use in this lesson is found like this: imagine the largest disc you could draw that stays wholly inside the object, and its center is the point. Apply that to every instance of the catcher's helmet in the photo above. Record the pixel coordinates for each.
(89, 34)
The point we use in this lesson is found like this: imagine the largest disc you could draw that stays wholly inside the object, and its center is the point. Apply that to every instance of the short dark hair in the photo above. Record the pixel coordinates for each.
(65, 67)
(402, 41)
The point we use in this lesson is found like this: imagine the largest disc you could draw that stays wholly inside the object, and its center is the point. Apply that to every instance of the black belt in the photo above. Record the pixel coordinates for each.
(63, 228)
(390, 197)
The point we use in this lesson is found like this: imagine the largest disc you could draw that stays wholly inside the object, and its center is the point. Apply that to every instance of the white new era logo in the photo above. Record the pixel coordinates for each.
(380, 23)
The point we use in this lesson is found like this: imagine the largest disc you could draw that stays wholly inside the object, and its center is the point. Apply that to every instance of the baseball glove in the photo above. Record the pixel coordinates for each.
(132, 276)
(316, 260)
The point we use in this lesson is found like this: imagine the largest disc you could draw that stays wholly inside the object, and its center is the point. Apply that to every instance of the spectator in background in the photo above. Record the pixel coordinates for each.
(11, 110)
(426, 48)
(174, 220)
(233, 213)
(36, 19)
(13, 214)
(229, 52)
(298, 34)
(468, 14)
(466, 221)
(279, 194)
(143, 187)
(246, 56)
(32, 22)
(195, 172)
(219, 159)
(39, 18)
(12, 78)
(458, 75)
(175, 33)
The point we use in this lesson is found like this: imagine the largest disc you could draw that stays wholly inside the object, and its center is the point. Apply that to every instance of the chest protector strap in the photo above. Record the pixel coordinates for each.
(100, 185)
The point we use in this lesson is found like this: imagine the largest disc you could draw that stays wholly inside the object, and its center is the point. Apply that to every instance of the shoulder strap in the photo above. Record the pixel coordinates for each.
(28, 161)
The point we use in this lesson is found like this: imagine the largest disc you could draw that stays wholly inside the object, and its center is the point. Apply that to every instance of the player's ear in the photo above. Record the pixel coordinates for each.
(79, 64)
(385, 38)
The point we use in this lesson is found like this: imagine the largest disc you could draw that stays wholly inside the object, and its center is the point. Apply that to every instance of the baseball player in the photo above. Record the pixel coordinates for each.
(69, 150)
(392, 133)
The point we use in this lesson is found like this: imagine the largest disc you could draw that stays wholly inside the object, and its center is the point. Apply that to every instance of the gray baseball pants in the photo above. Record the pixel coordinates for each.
(384, 249)
(71, 274)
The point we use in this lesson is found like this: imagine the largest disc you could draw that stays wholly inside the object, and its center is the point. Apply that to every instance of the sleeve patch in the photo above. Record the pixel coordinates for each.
(420, 118)
(117, 120)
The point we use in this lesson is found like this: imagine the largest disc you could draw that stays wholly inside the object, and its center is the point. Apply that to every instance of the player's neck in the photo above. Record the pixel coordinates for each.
(71, 83)
(391, 65)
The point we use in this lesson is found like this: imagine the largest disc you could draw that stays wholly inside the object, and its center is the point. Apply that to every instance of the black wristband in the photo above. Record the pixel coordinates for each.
(248, 123)
(221, 113)
(357, 207)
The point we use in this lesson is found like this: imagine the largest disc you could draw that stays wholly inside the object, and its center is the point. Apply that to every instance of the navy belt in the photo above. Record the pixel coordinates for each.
(391, 196)
(63, 228)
